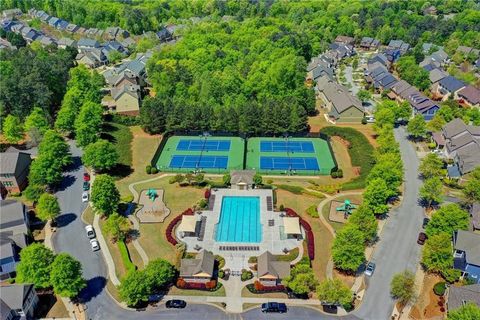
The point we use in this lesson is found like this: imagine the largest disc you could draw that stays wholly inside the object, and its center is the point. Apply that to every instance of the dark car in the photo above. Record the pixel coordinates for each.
(86, 176)
(86, 186)
(177, 304)
(425, 222)
(274, 307)
(421, 238)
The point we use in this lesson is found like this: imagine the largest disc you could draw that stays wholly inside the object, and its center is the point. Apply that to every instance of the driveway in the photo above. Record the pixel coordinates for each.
(397, 249)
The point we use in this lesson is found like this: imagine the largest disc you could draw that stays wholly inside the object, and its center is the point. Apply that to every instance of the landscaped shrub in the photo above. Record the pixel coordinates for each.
(122, 247)
(181, 283)
(221, 274)
(258, 288)
(220, 261)
(339, 173)
(203, 203)
(439, 288)
(246, 275)
(127, 199)
(282, 208)
(360, 151)
(252, 259)
(211, 284)
(154, 170)
(148, 169)
(207, 194)
(312, 211)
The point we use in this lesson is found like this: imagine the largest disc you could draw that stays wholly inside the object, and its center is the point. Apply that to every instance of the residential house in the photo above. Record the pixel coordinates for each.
(32, 35)
(164, 35)
(462, 144)
(270, 272)
(469, 96)
(378, 76)
(379, 57)
(92, 32)
(91, 58)
(63, 43)
(342, 50)
(115, 46)
(18, 301)
(16, 27)
(81, 31)
(127, 99)
(198, 270)
(341, 105)
(11, 13)
(475, 214)
(392, 54)
(43, 16)
(458, 296)
(438, 59)
(87, 44)
(5, 44)
(14, 168)
(435, 75)
(9, 258)
(345, 40)
(53, 21)
(430, 10)
(112, 33)
(242, 179)
(72, 28)
(46, 40)
(7, 25)
(428, 47)
(466, 51)
(398, 45)
(368, 43)
(403, 91)
(466, 256)
(449, 86)
(127, 42)
(14, 222)
(62, 25)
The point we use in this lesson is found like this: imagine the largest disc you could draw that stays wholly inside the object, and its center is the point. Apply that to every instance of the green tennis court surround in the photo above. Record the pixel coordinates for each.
(201, 153)
(303, 156)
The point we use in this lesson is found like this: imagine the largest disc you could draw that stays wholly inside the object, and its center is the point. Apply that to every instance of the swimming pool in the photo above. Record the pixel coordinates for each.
(239, 220)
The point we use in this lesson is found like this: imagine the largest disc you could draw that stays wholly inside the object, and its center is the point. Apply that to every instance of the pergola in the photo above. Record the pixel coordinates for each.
(291, 225)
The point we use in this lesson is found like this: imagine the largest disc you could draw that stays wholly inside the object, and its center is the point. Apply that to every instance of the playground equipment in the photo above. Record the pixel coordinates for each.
(152, 194)
(347, 207)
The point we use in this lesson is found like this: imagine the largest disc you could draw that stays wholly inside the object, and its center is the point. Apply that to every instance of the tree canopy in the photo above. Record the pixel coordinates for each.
(47, 207)
(105, 195)
(431, 191)
(12, 129)
(35, 265)
(117, 227)
(469, 311)
(100, 155)
(66, 276)
(447, 219)
(402, 286)
(348, 251)
(431, 166)
(302, 279)
(437, 253)
(334, 292)
(417, 127)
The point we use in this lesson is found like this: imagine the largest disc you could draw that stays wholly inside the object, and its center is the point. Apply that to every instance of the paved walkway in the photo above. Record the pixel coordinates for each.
(75, 311)
(112, 275)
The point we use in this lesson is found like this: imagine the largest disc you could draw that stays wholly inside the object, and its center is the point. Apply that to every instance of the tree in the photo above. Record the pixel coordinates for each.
(47, 207)
(53, 157)
(437, 253)
(35, 265)
(37, 119)
(100, 155)
(114, 56)
(348, 250)
(384, 117)
(117, 227)
(436, 124)
(12, 129)
(33, 192)
(159, 273)
(257, 179)
(334, 292)
(431, 166)
(366, 222)
(402, 286)
(301, 280)
(105, 195)
(471, 188)
(135, 288)
(88, 123)
(403, 110)
(417, 127)
(448, 219)
(376, 195)
(364, 95)
(226, 179)
(431, 191)
(66, 276)
(469, 311)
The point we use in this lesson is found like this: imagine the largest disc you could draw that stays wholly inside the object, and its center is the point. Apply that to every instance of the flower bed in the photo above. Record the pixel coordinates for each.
(308, 230)
(173, 223)
(211, 285)
(207, 194)
(258, 288)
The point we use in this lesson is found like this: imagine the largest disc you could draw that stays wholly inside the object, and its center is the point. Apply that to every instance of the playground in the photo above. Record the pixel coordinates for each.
(340, 210)
(152, 207)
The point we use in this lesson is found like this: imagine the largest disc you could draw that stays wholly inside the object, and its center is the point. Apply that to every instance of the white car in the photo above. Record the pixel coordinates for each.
(85, 197)
(90, 231)
(370, 269)
(370, 119)
(94, 244)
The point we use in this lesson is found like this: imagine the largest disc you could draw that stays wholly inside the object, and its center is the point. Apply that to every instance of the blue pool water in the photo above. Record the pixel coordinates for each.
(239, 220)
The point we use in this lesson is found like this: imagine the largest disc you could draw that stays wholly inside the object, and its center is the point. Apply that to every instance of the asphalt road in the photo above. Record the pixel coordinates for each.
(396, 251)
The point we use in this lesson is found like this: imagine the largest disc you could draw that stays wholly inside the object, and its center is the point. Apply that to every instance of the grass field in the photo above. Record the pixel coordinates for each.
(121, 137)
(234, 154)
(321, 153)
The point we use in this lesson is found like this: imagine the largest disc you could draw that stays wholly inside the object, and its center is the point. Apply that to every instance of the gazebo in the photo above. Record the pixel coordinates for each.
(292, 227)
(188, 226)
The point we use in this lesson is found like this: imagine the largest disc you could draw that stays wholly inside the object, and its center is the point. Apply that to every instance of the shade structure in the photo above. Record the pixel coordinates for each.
(188, 224)
(292, 225)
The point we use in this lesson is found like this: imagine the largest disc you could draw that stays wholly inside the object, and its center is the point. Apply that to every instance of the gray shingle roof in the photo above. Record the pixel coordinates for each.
(245, 176)
(458, 295)
(14, 295)
(469, 243)
(471, 94)
(267, 265)
(475, 213)
(451, 83)
(12, 217)
(436, 75)
(337, 94)
(204, 263)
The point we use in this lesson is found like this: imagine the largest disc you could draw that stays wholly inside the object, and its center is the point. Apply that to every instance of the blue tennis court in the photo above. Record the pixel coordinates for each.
(286, 146)
(285, 163)
(218, 162)
(206, 145)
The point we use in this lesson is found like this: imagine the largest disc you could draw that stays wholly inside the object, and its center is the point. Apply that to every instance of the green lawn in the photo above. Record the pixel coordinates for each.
(191, 292)
(121, 137)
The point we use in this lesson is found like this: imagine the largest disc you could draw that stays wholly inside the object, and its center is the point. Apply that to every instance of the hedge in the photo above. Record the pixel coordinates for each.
(259, 288)
(122, 247)
(361, 153)
(211, 285)
(292, 189)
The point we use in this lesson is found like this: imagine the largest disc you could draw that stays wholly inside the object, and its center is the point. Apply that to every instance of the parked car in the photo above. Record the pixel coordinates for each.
(176, 304)
(86, 176)
(85, 196)
(425, 222)
(94, 244)
(370, 269)
(421, 238)
(370, 119)
(90, 231)
(86, 186)
(274, 307)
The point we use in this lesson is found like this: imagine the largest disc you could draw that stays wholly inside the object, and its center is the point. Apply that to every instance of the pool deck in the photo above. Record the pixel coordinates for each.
(238, 260)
